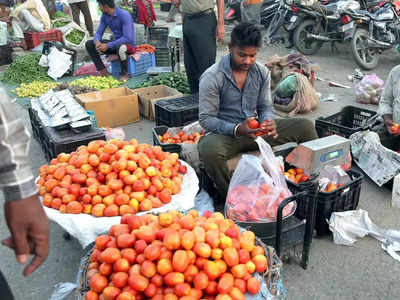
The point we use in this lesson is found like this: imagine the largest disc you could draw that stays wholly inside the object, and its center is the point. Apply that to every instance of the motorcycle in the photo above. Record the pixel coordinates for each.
(375, 33)
(324, 23)
(267, 11)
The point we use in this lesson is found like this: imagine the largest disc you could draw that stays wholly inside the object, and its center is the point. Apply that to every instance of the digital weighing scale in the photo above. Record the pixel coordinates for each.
(314, 155)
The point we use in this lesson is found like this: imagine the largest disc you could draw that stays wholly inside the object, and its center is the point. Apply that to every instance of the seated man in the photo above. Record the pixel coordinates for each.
(121, 25)
(389, 108)
(29, 16)
(233, 92)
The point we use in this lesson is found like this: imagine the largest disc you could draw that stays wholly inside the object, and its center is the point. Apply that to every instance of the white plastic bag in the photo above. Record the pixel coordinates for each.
(3, 33)
(369, 89)
(257, 188)
(59, 63)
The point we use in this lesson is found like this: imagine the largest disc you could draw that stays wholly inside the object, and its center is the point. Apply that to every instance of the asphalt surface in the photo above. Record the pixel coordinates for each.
(363, 271)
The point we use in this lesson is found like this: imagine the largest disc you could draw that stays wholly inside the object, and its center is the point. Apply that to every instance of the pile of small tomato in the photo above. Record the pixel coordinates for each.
(111, 178)
(181, 138)
(174, 256)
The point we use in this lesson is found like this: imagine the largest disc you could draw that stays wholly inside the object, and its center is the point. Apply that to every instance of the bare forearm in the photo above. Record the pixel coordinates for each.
(221, 10)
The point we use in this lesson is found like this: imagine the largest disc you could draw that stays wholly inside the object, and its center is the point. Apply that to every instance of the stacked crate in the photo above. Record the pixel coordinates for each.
(158, 37)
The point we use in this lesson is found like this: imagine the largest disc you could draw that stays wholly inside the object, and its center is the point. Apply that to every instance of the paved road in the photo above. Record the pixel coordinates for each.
(363, 271)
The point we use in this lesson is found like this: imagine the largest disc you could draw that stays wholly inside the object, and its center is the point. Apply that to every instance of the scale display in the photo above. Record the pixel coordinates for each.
(331, 155)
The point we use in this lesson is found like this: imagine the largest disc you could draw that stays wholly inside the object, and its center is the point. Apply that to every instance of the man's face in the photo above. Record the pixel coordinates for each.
(243, 57)
(105, 9)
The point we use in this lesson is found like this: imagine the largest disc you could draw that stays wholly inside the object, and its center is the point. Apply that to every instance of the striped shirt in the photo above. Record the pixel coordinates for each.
(16, 178)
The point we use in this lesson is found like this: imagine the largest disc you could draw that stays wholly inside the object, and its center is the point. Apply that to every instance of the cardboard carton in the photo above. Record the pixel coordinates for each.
(148, 96)
(112, 107)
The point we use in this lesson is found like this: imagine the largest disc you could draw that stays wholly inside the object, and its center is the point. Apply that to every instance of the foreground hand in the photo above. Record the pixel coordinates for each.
(29, 229)
(245, 3)
(245, 130)
(388, 124)
(220, 31)
(102, 47)
(269, 127)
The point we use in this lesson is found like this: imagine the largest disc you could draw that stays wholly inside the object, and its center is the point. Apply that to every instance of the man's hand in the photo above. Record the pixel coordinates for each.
(176, 2)
(244, 129)
(269, 128)
(388, 124)
(29, 229)
(220, 31)
(102, 47)
(245, 3)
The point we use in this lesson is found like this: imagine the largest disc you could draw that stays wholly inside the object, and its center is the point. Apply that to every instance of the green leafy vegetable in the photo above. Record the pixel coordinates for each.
(177, 81)
(75, 36)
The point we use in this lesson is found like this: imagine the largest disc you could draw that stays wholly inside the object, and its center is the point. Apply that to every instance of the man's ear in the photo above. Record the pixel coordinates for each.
(230, 47)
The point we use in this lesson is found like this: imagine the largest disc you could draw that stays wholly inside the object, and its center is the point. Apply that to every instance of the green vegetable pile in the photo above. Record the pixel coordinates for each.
(59, 14)
(127, 8)
(97, 82)
(75, 36)
(25, 69)
(58, 24)
(177, 81)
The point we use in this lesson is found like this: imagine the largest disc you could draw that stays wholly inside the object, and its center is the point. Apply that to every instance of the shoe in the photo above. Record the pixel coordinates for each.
(290, 46)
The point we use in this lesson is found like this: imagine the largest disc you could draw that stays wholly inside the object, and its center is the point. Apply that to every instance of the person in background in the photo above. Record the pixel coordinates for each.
(24, 214)
(232, 93)
(200, 30)
(146, 14)
(172, 13)
(250, 11)
(78, 6)
(389, 109)
(121, 24)
(31, 15)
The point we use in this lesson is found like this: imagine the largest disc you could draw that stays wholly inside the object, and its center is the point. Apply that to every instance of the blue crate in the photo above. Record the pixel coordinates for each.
(135, 68)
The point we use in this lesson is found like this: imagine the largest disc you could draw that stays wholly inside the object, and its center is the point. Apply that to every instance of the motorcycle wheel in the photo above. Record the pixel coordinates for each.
(307, 47)
(276, 22)
(359, 49)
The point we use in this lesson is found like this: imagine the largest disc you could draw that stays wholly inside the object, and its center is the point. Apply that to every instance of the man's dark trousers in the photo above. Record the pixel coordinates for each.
(5, 291)
(95, 56)
(200, 46)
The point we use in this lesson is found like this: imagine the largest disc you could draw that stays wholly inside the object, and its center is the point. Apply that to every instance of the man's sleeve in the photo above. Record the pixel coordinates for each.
(386, 103)
(29, 4)
(100, 30)
(127, 33)
(16, 177)
(264, 104)
(209, 101)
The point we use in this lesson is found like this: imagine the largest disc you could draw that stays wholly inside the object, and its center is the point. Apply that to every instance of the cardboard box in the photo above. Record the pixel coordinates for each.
(112, 107)
(148, 96)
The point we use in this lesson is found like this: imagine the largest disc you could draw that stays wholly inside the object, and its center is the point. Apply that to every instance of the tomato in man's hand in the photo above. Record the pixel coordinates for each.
(253, 124)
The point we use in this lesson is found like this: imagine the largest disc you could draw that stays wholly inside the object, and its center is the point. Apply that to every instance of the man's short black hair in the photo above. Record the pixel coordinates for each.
(246, 35)
(109, 3)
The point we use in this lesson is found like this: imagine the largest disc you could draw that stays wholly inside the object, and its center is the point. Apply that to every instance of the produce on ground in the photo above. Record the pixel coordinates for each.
(174, 256)
(25, 69)
(111, 178)
(58, 24)
(331, 186)
(296, 175)
(59, 14)
(181, 138)
(75, 89)
(177, 81)
(75, 36)
(257, 202)
(97, 82)
(34, 89)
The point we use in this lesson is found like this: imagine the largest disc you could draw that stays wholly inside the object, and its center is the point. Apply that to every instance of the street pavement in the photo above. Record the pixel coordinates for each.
(363, 271)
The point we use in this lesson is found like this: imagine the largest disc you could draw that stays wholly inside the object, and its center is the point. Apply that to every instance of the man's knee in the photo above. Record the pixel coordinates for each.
(89, 45)
(122, 49)
(213, 148)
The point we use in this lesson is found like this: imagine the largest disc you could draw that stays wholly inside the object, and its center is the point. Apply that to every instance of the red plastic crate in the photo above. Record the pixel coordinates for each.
(34, 39)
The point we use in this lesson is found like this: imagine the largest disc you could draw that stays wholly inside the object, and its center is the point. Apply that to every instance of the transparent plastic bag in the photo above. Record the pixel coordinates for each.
(369, 89)
(115, 133)
(257, 188)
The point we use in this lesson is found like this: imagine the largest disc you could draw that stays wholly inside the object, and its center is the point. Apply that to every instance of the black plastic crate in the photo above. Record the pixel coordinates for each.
(46, 50)
(37, 128)
(160, 130)
(158, 36)
(346, 122)
(343, 198)
(55, 142)
(310, 187)
(163, 57)
(165, 6)
(5, 55)
(177, 112)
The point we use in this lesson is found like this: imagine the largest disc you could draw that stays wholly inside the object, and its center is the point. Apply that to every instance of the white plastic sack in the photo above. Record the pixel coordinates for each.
(3, 33)
(258, 187)
(66, 27)
(349, 225)
(369, 89)
(59, 63)
(85, 228)
(44, 61)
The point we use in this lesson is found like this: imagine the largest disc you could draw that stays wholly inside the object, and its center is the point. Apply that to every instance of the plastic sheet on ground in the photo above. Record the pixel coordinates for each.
(203, 202)
(85, 228)
(378, 162)
(349, 225)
